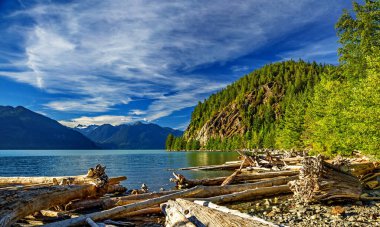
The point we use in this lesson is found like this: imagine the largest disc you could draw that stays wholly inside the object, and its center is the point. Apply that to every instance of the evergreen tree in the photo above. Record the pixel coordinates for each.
(169, 142)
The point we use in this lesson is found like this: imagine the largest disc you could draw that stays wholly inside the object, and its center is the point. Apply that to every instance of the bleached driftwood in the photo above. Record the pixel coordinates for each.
(107, 214)
(109, 202)
(249, 194)
(234, 212)
(173, 215)
(183, 182)
(22, 203)
(16, 204)
(319, 181)
(204, 216)
(195, 192)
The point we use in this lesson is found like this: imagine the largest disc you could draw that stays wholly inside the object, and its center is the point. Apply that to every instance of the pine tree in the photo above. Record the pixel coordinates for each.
(169, 142)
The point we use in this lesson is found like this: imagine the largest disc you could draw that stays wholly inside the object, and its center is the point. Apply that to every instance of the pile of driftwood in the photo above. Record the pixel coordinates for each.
(60, 201)
(338, 179)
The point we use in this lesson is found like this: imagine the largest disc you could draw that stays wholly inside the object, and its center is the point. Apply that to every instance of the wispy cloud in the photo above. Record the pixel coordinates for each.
(105, 53)
(320, 51)
(98, 120)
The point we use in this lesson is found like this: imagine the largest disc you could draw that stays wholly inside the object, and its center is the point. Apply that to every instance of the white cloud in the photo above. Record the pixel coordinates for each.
(104, 53)
(320, 51)
(137, 112)
(240, 68)
(98, 120)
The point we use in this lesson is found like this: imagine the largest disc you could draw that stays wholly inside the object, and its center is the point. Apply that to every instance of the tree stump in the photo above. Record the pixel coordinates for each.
(319, 181)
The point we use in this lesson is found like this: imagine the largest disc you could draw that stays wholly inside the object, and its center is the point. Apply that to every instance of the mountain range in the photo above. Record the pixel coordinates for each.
(128, 136)
(21, 128)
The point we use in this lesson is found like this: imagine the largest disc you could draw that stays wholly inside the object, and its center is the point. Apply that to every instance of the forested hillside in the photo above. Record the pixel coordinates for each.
(298, 105)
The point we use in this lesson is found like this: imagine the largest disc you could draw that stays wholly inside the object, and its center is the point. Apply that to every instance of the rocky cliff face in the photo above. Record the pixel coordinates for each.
(229, 121)
(226, 123)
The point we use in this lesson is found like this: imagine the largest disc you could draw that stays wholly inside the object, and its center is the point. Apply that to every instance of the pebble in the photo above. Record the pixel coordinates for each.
(288, 213)
(351, 219)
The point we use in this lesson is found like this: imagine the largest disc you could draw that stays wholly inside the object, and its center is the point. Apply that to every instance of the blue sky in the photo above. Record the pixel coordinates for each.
(108, 61)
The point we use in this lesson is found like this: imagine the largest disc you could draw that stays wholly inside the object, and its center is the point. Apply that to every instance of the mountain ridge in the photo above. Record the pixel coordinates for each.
(21, 128)
(130, 136)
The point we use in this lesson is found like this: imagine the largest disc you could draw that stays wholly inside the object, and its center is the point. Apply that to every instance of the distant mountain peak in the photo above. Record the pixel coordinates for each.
(21, 128)
(129, 136)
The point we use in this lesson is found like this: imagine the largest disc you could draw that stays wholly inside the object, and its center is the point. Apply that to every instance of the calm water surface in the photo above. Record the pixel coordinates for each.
(153, 167)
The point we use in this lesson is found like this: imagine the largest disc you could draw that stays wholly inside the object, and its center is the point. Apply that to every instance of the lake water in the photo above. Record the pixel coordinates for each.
(152, 167)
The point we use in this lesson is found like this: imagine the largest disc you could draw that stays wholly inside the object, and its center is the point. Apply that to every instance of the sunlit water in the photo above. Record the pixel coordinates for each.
(152, 167)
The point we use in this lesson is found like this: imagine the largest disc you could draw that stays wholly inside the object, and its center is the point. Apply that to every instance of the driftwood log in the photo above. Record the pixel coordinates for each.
(234, 212)
(232, 177)
(249, 194)
(174, 216)
(183, 182)
(217, 167)
(106, 214)
(106, 203)
(109, 202)
(16, 204)
(151, 210)
(195, 192)
(319, 181)
(204, 216)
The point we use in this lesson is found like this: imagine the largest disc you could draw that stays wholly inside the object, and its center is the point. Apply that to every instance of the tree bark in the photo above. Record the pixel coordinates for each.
(116, 188)
(145, 211)
(173, 215)
(204, 216)
(234, 212)
(18, 204)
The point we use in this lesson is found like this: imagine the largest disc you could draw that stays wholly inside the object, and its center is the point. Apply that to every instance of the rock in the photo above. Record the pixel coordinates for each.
(360, 203)
(338, 210)
(276, 209)
(271, 214)
(351, 219)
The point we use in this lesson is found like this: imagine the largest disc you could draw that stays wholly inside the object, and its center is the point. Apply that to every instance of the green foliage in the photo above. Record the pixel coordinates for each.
(358, 34)
(288, 133)
(344, 113)
(169, 141)
(180, 144)
(297, 105)
(269, 93)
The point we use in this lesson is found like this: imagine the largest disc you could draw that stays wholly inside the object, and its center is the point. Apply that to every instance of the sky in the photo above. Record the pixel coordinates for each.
(109, 61)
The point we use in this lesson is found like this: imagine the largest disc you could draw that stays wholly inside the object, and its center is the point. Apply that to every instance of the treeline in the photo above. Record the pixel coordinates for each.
(179, 144)
(298, 105)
